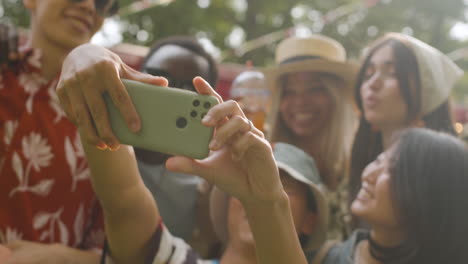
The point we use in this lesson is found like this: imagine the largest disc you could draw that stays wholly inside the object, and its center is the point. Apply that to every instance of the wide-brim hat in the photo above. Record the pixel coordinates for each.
(316, 53)
(300, 166)
(438, 73)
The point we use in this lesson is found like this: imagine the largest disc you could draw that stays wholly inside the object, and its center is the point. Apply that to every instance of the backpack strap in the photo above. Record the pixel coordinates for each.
(322, 253)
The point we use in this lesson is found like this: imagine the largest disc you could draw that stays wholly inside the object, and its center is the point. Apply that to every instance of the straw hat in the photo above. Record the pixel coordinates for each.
(300, 166)
(316, 53)
(437, 71)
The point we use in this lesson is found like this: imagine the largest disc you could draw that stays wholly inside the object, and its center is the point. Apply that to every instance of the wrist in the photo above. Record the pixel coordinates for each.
(276, 202)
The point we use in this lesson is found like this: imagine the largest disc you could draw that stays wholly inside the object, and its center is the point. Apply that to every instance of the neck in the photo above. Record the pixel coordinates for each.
(53, 54)
(309, 144)
(239, 254)
(386, 237)
(388, 133)
(312, 146)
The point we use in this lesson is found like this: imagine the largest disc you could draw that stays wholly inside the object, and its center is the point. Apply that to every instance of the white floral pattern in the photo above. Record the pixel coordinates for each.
(78, 226)
(38, 154)
(10, 128)
(35, 58)
(51, 223)
(10, 235)
(31, 82)
(76, 160)
(55, 103)
(35, 170)
(37, 151)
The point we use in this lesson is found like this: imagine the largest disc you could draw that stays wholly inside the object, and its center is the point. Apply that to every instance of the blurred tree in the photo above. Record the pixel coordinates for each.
(14, 12)
(231, 25)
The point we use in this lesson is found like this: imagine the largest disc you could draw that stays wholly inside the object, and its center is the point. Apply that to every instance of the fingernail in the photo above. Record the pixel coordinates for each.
(213, 144)
(101, 146)
(114, 146)
(206, 119)
(135, 126)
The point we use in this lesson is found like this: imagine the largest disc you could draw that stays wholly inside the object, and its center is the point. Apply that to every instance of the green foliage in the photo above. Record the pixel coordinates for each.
(354, 23)
(13, 11)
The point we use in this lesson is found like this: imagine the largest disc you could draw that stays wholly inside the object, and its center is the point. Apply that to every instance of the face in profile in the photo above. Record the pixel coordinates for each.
(382, 101)
(374, 201)
(64, 23)
(304, 219)
(305, 105)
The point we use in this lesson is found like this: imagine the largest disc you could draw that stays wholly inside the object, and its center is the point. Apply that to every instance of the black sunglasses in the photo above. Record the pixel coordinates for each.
(104, 7)
(173, 82)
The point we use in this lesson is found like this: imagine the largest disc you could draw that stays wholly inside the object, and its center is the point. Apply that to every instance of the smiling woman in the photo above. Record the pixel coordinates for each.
(312, 107)
(414, 198)
(402, 83)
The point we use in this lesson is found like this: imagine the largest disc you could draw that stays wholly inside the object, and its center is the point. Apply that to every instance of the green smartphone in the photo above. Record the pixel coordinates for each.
(170, 120)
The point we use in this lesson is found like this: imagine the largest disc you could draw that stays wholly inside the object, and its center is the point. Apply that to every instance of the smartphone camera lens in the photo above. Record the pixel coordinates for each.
(181, 122)
(207, 105)
(196, 103)
(193, 113)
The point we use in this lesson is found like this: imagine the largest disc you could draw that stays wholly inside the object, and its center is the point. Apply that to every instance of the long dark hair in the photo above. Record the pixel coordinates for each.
(367, 143)
(429, 183)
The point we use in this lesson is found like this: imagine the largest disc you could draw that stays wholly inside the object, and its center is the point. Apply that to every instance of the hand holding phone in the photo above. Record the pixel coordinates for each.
(170, 120)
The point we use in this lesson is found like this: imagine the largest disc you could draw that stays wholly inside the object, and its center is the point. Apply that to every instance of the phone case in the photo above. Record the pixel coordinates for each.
(170, 120)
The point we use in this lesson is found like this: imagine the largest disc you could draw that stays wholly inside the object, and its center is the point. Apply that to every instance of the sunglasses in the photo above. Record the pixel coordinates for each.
(173, 82)
(105, 8)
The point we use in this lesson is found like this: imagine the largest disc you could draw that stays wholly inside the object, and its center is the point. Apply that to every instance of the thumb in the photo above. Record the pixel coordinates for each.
(188, 166)
(132, 74)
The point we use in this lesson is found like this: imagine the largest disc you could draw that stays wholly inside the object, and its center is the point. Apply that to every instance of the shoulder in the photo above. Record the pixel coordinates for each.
(343, 253)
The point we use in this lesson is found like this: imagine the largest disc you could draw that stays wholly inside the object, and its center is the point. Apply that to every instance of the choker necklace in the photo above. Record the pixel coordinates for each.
(388, 255)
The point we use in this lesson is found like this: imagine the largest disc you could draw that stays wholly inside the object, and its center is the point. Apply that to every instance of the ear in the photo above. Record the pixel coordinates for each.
(29, 4)
(309, 223)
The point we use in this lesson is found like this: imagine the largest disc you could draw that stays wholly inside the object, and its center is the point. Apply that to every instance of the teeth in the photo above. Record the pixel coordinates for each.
(303, 117)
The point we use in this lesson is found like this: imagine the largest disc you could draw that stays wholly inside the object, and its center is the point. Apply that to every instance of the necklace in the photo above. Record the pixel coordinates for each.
(390, 254)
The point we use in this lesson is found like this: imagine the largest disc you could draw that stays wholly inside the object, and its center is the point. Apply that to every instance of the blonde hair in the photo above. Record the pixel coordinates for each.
(336, 137)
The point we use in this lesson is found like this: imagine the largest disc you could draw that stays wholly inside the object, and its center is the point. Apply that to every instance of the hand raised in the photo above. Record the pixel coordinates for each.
(88, 72)
(241, 161)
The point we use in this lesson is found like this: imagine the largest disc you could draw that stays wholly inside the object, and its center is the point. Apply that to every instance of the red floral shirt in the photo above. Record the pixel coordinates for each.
(45, 191)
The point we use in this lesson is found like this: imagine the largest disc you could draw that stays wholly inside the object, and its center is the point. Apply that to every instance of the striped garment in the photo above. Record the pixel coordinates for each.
(172, 250)
(167, 249)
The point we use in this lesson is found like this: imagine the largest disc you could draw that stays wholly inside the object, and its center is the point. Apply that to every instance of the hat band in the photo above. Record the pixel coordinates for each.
(299, 58)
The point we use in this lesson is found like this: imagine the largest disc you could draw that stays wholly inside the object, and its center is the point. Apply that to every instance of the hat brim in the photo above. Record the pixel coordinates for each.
(346, 71)
(219, 204)
(319, 235)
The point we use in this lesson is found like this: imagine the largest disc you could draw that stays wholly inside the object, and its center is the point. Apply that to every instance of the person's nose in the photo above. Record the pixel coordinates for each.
(375, 82)
(370, 173)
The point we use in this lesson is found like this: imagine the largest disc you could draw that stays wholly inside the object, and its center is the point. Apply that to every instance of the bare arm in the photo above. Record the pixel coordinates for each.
(242, 164)
(273, 229)
(21, 251)
(131, 215)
